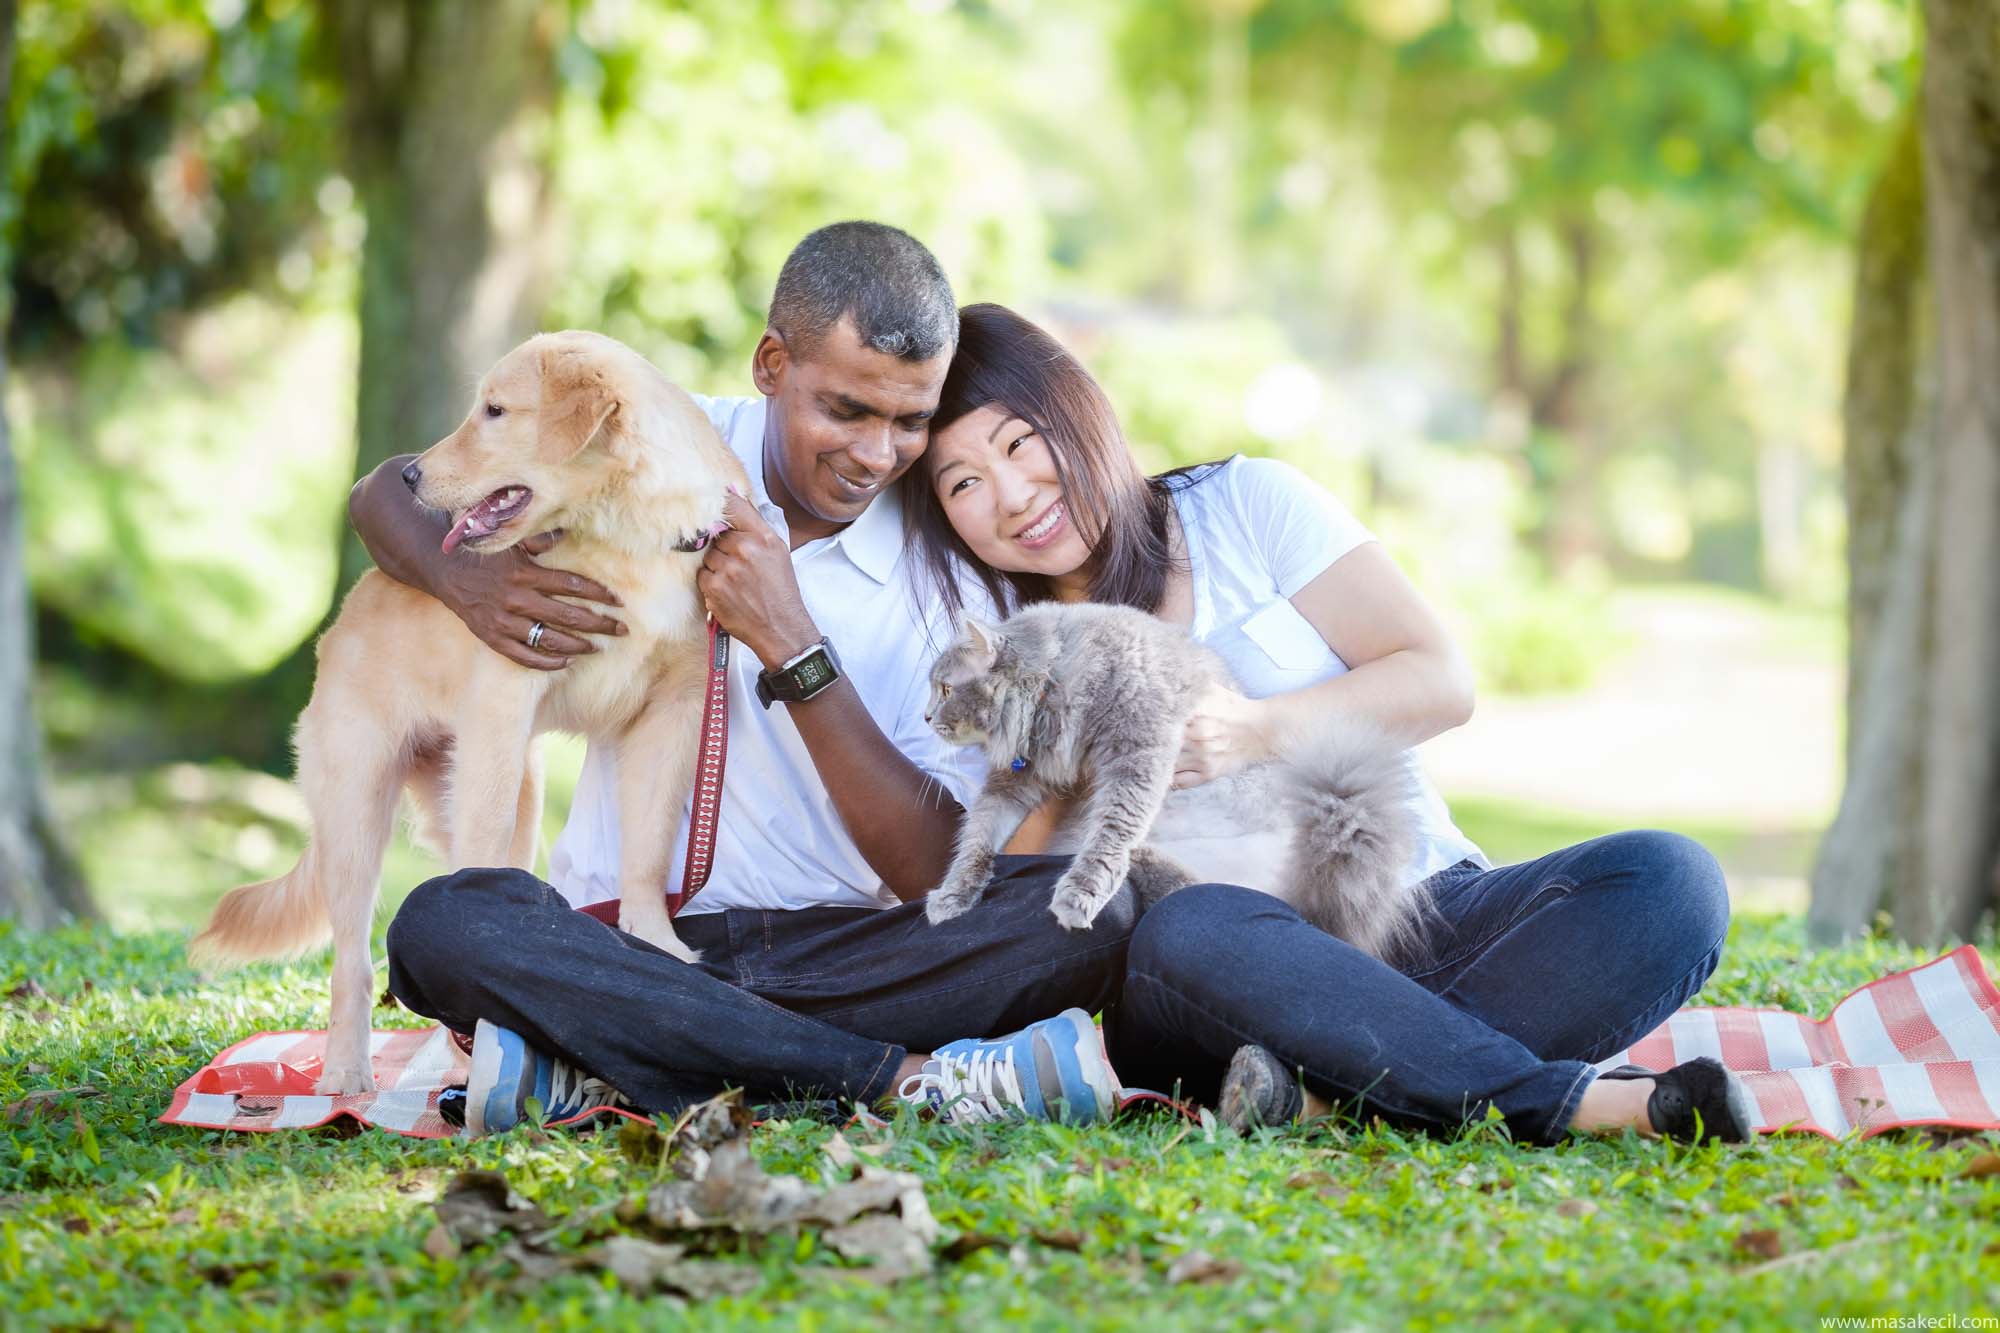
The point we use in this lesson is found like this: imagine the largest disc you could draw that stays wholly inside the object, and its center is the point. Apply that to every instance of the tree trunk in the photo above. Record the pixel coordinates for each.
(1562, 408)
(39, 885)
(1961, 778)
(455, 197)
(1872, 849)
(1885, 355)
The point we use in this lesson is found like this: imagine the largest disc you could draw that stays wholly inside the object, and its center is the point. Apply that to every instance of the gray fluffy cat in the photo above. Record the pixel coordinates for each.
(1090, 701)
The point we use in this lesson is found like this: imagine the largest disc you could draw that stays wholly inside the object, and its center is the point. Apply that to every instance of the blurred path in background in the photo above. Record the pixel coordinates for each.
(1720, 720)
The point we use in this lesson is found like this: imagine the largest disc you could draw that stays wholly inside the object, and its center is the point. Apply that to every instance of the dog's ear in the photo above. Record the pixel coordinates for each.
(577, 399)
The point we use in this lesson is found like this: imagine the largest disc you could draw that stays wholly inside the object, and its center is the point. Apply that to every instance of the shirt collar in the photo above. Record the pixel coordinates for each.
(873, 543)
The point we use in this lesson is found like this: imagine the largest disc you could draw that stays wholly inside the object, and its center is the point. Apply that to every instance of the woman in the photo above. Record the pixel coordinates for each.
(1532, 971)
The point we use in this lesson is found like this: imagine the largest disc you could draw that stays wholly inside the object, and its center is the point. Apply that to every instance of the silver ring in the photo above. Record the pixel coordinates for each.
(535, 632)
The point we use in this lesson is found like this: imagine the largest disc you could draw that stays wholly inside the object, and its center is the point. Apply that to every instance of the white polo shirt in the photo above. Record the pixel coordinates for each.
(779, 843)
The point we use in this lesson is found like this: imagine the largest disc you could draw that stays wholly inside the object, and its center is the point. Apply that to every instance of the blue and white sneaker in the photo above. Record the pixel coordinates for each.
(1052, 1070)
(506, 1072)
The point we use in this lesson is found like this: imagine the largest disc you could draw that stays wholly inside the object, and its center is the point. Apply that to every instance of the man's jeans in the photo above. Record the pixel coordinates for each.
(824, 1001)
(1531, 971)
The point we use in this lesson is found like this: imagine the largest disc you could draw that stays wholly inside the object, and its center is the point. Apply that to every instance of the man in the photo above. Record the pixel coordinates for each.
(819, 975)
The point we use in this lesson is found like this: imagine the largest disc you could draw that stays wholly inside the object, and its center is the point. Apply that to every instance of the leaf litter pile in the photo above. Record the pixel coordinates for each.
(718, 1201)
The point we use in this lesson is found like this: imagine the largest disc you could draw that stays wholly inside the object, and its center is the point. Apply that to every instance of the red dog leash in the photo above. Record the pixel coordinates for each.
(710, 759)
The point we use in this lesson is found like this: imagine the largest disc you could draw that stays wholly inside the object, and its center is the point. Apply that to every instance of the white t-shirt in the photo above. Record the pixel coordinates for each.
(1258, 530)
(779, 842)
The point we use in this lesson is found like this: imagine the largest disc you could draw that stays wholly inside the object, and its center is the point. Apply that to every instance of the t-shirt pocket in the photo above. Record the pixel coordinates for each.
(1288, 638)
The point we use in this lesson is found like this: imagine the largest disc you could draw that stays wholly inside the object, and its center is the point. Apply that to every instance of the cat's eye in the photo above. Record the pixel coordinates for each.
(944, 691)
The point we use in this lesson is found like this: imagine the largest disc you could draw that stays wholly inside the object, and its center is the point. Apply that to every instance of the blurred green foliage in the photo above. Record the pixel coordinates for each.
(1533, 284)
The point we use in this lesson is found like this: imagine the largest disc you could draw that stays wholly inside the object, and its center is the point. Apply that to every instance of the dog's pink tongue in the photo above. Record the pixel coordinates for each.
(475, 521)
(459, 530)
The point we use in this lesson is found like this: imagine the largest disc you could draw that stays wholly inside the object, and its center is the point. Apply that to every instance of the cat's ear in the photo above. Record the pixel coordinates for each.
(983, 638)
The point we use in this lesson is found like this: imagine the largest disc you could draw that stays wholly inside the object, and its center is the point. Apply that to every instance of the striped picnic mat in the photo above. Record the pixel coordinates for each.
(266, 1082)
(1920, 1047)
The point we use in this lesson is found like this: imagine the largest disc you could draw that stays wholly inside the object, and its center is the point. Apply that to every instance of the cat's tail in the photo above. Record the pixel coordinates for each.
(1353, 793)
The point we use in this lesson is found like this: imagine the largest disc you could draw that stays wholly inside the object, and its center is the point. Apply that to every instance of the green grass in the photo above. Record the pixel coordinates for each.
(110, 1220)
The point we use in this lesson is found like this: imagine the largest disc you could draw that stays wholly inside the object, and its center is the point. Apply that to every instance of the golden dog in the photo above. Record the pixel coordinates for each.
(570, 430)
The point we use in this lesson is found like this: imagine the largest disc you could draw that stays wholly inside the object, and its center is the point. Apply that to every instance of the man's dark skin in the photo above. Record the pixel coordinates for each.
(838, 412)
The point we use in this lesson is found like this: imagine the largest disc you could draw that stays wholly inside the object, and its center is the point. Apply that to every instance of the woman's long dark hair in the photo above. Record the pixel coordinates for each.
(1122, 514)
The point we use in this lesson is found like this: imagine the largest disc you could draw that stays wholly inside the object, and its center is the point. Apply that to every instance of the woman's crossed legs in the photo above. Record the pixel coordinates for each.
(1533, 971)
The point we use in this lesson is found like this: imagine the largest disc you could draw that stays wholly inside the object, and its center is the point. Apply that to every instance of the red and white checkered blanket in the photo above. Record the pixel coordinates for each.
(1915, 1048)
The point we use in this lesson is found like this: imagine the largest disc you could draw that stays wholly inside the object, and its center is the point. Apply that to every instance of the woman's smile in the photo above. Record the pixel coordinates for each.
(1045, 530)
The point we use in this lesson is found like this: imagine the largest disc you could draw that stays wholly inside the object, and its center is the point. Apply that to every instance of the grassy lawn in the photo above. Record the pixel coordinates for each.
(109, 1220)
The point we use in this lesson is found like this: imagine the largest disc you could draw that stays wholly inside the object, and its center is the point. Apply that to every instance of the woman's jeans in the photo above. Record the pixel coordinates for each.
(1529, 973)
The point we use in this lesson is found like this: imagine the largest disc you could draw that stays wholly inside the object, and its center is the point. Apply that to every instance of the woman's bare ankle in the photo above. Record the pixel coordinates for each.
(1609, 1106)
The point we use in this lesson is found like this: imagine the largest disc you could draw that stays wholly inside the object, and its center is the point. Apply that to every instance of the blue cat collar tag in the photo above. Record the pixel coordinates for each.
(1018, 764)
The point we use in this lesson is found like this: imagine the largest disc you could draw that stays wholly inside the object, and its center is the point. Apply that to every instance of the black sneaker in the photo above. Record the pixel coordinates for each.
(1696, 1102)
(1259, 1089)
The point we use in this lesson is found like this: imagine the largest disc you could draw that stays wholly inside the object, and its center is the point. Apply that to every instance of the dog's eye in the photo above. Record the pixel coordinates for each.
(495, 410)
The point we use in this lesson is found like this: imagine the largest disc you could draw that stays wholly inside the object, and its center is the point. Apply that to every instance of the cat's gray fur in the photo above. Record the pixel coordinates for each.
(1095, 699)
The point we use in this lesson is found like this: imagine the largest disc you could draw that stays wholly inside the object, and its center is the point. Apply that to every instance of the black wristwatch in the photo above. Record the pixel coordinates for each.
(800, 679)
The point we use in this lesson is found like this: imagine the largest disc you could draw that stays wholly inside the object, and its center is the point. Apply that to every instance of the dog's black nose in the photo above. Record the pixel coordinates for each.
(412, 474)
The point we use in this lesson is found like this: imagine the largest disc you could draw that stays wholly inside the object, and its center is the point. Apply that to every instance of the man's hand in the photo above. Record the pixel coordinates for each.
(1226, 733)
(748, 582)
(501, 597)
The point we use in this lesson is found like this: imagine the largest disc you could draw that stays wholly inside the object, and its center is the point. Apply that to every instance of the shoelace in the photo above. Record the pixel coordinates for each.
(572, 1091)
(968, 1089)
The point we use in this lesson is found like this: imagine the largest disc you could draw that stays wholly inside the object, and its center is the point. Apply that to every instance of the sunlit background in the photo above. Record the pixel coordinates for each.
(1554, 293)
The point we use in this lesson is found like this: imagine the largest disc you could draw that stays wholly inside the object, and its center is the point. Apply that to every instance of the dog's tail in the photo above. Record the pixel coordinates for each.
(278, 918)
(1352, 793)
(351, 780)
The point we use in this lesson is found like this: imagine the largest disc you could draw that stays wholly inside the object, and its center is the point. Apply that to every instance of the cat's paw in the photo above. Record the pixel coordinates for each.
(1076, 903)
(948, 900)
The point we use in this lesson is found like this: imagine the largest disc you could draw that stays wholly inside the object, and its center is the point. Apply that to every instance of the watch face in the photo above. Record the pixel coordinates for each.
(814, 672)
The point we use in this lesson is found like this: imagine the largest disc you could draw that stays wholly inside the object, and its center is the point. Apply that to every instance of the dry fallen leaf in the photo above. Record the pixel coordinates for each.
(1060, 1240)
(439, 1244)
(41, 1102)
(479, 1205)
(1760, 1243)
(1201, 1266)
(972, 1242)
(1575, 1208)
(642, 1266)
(30, 989)
(1986, 1164)
(889, 1248)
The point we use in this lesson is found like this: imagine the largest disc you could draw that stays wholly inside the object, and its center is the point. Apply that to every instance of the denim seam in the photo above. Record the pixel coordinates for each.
(953, 990)
(892, 1059)
(1250, 1039)
(1558, 885)
(1566, 1112)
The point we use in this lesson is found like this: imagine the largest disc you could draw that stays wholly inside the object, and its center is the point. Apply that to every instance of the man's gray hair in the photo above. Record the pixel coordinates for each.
(882, 278)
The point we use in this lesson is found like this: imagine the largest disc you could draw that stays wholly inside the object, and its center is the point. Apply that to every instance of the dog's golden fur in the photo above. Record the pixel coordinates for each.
(407, 698)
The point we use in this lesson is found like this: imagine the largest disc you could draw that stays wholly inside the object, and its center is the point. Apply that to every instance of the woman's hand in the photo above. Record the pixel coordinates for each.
(1226, 733)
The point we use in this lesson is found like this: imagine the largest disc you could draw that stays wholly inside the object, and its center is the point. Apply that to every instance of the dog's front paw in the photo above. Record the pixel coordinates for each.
(657, 930)
(1077, 902)
(345, 1080)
